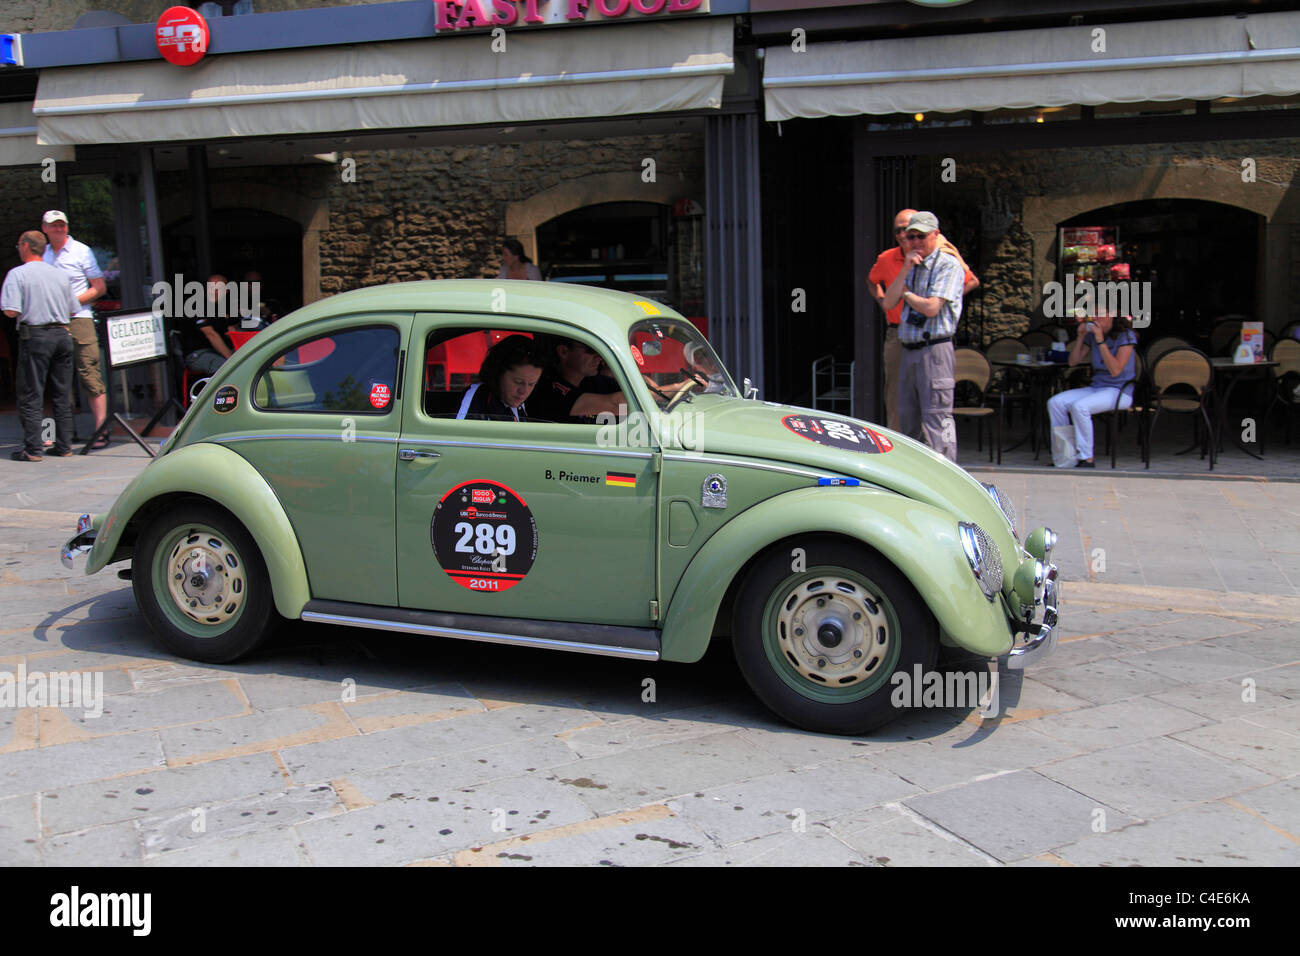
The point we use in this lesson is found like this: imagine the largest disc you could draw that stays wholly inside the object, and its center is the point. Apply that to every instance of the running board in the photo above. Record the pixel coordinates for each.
(607, 640)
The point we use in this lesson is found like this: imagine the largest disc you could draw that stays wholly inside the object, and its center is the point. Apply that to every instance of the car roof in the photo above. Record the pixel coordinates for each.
(607, 313)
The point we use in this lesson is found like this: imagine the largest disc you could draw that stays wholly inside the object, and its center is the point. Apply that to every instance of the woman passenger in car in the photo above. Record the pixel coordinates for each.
(507, 377)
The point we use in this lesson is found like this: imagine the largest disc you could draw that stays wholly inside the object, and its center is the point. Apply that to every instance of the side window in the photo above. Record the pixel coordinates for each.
(453, 359)
(353, 371)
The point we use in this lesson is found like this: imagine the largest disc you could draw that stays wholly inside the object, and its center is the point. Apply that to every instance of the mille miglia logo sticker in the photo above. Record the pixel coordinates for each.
(484, 536)
(835, 433)
(226, 399)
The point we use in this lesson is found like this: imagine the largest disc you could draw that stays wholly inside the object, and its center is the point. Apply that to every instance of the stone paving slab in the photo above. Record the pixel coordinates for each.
(129, 798)
(817, 846)
(1152, 778)
(213, 821)
(1213, 834)
(894, 835)
(1015, 815)
(280, 848)
(776, 802)
(115, 845)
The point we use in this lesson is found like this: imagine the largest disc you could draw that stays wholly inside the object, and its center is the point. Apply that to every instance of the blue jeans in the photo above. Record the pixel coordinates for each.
(1080, 404)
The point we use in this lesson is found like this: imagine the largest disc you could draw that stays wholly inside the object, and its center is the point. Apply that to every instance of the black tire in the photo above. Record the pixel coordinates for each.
(177, 592)
(842, 686)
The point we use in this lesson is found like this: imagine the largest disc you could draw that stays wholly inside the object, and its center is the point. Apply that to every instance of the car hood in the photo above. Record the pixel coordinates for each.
(767, 430)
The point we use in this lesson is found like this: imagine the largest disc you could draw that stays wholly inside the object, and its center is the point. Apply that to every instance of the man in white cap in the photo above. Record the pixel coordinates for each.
(78, 263)
(930, 289)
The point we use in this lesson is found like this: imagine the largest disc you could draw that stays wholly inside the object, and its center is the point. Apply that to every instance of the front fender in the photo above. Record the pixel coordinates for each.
(919, 539)
(217, 473)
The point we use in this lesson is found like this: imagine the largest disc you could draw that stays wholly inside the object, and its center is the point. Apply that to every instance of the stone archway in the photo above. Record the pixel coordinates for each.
(523, 218)
(1216, 181)
(311, 214)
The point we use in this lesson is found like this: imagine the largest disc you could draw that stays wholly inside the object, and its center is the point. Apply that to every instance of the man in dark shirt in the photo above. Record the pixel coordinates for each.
(571, 390)
(203, 341)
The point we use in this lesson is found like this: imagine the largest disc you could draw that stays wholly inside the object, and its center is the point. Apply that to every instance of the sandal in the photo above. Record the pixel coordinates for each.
(103, 441)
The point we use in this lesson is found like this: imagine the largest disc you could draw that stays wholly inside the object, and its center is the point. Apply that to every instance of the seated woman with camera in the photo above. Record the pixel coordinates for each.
(1110, 343)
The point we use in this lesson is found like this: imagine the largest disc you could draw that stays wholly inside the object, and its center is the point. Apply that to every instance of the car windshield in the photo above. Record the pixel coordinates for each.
(674, 358)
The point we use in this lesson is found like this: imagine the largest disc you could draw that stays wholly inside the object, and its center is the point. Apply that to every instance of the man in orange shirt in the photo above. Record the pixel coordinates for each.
(888, 265)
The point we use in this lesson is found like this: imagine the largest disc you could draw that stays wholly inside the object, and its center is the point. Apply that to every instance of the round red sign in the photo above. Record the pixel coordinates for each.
(181, 35)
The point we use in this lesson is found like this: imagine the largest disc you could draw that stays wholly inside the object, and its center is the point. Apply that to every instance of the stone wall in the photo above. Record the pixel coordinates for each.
(442, 213)
(25, 200)
(1021, 195)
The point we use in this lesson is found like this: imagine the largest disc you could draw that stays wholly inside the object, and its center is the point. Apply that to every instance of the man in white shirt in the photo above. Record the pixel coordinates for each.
(78, 263)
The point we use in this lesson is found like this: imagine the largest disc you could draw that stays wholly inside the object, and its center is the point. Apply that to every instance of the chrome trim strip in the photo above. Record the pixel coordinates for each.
(266, 435)
(520, 447)
(487, 637)
(801, 472)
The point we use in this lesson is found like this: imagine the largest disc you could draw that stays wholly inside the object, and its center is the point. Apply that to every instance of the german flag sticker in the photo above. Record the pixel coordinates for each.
(620, 478)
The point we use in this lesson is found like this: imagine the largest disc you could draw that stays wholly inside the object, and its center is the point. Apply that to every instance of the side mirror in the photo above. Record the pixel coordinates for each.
(751, 390)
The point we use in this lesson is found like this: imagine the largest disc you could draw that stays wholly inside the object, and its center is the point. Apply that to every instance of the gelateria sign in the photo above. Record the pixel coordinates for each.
(477, 14)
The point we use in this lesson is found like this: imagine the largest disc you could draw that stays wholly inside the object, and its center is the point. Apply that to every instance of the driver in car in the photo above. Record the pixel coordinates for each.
(570, 390)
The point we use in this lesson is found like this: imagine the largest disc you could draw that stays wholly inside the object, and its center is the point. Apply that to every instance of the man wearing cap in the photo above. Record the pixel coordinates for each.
(40, 298)
(930, 288)
(78, 263)
(887, 267)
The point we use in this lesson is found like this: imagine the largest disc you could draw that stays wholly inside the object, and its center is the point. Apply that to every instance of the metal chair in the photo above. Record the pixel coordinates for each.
(1286, 385)
(1054, 330)
(1006, 382)
(972, 368)
(1037, 339)
(1165, 344)
(1226, 328)
(1115, 415)
(1290, 331)
(1171, 375)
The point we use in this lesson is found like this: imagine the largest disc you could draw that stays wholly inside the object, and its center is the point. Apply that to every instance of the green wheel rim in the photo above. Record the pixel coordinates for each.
(199, 581)
(816, 644)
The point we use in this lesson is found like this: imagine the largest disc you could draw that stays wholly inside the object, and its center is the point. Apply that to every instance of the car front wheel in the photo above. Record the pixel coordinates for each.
(822, 625)
(201, 583)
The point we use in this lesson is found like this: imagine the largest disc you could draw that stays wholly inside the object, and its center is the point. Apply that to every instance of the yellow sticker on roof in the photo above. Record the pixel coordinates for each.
(649, 308)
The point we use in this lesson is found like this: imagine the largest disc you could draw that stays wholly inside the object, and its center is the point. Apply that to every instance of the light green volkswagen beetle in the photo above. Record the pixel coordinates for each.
(323, 474)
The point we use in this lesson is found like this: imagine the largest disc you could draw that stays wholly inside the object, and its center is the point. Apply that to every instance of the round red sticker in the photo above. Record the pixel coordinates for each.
(379, 395)
(636, 354)
(181, 35)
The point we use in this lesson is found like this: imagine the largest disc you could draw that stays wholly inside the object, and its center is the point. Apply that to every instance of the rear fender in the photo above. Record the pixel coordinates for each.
(216, 473)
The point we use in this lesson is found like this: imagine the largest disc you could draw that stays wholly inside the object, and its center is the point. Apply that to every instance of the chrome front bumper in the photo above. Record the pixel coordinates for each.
(79, 543)
(1040, 646)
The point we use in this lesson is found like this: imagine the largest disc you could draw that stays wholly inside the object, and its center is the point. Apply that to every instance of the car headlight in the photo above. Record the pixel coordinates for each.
(1004, 503)
(985, 560)
(1029, 582)
(1040, 543)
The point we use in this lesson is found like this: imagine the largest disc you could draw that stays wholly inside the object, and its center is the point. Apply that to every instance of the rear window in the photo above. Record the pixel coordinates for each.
(353, 371)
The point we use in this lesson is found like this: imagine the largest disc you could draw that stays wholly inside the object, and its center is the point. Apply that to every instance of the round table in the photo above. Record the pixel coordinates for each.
(1043, 377)
(1226, 370)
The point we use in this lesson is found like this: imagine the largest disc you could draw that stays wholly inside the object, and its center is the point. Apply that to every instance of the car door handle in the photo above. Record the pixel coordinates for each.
(410, 454)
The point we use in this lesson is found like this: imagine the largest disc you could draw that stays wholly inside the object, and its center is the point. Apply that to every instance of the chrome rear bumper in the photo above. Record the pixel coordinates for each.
(79, 543)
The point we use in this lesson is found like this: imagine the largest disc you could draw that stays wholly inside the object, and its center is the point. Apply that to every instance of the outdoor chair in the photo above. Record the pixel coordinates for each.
(1286, 385)
(1165, 344)
(1037, 339)
(972, 370)
(1135, 388)
(1290, 331)
(1008, 383)
(1226, 328)
(1181, 383)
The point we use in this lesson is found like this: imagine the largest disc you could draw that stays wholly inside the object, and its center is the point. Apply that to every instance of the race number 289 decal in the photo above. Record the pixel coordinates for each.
(484, 536)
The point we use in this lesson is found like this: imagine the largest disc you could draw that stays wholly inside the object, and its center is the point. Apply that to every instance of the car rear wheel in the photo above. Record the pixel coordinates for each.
(821, 627)
(202, 585)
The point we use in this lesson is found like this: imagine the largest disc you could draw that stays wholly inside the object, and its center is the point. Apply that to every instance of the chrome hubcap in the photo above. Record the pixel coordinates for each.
(205, 578)
(833, 631)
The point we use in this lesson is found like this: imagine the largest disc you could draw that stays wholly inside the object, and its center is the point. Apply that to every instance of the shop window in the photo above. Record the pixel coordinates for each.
(353, 371)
